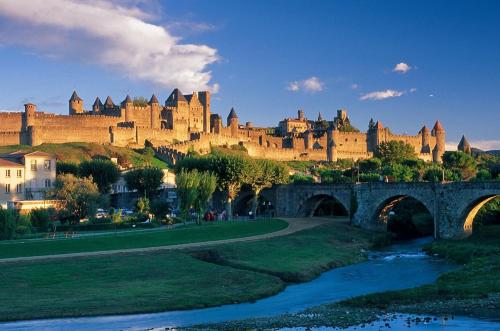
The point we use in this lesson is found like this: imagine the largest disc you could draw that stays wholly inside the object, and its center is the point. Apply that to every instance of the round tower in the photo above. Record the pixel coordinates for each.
(154, 106)
(129, 107)
(232, 122)
(440, 134)
(29, 115)
(75, 104)
(309, 139)
(331, 147)
(426, 139)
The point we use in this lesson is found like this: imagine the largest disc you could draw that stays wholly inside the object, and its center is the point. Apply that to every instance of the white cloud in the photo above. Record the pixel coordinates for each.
(381, 95)
(413, 89)
(311, 84)
(402, 68)
(354, 86)
(114, 34)
(485, 145)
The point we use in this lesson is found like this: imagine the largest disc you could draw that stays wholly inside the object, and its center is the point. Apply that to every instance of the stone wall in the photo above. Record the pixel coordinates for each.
(11, 121)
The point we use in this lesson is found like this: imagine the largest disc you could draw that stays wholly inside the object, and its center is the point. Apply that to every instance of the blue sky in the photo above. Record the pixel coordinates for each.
(265, 58)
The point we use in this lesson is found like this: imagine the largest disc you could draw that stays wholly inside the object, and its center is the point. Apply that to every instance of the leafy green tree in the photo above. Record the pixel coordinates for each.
(149, 155)
(400, 173)
(232, 172)
(142, 205)
(145, 180)
(461, 163)
(41, 218)
(333, 176)
(78, 197)
(140, 101)
(265, 174)
(395, 152)
(370, 165)
(434, 173)
(66, 168)
(103, 172)
(483, 175)
(8, 220)
(207, 183)
(193, 162)
(160, 208)
(187, 183)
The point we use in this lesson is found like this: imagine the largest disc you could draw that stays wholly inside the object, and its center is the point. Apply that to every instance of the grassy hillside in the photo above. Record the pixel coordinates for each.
(78, 152)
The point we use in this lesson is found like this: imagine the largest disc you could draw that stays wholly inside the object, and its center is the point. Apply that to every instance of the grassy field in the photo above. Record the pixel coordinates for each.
(78, 152)
(308, 253)
(151, 282)
(189, 234)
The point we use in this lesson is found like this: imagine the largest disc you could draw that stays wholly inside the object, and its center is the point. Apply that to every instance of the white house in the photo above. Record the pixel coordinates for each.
(121, 186)
(26, 176)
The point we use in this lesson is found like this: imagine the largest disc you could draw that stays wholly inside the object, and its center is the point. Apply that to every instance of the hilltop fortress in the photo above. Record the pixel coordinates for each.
(185, 123)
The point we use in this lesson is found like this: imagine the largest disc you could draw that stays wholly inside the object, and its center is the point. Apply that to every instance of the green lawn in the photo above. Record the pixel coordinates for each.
(160, 281)
(78, 152)
(124, 284)
(302, 256)
(190, 234)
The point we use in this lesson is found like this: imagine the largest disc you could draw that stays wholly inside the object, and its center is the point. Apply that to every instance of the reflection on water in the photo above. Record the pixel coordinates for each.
(400, 322)
(396, 267)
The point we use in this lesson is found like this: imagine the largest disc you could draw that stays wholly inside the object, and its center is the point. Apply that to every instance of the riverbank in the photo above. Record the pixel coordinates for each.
(163, 281)
(472, 290)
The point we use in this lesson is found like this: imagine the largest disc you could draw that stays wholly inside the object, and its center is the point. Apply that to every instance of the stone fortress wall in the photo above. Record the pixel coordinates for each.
(185, 123)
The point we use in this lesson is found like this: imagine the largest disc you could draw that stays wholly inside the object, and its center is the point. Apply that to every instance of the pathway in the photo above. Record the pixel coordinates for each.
(294, 225)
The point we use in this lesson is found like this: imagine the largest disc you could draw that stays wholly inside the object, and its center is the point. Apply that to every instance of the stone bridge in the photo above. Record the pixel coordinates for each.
(452, 205)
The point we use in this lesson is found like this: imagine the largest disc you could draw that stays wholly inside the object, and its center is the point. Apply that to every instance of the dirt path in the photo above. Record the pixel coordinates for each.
(294, 225)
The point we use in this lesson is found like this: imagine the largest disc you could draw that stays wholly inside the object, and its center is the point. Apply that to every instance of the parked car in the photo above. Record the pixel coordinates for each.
(101, 213)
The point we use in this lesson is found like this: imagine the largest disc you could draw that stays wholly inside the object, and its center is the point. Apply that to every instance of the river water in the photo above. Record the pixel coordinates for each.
(397, 267)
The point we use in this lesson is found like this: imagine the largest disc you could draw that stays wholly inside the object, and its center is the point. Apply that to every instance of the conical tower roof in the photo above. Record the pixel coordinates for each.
(128, 99)
(424, 129)
(320, 118)
(232, 114)
(75, 97)
(153, 99)
(464, 145)
(97, 102)
(379, 125)
(109, 102)
(438, 126)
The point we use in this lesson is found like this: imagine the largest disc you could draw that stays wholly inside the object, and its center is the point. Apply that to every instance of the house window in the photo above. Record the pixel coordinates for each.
(7, 188)
(19, 173)
(33, 165)
(7, 173)
(47, 183)
(47, 165)
(19, 188)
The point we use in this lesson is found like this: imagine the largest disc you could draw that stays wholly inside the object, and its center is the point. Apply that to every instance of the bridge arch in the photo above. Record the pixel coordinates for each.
(471, 210)
(384, 211)
(322, 204)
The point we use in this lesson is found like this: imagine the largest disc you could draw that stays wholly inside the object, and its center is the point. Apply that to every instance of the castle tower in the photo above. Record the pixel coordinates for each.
(331, 147)
(309, 139)
(300, 114)
(232, 122)
(426, 138)
(75, 104)
(128, 104)
(97, 107)
(155, 112)
(464, 146)
(204, 98)
(29, 115)
(320, 118)
(215, 123)
(440, 134)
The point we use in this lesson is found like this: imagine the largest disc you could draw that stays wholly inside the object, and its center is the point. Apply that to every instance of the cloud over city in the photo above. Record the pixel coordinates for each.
(402, 68)
(113, 34)
(381, 95)
(312, 84)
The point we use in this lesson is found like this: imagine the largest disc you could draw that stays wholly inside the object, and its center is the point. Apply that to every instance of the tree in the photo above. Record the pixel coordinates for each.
(144, 180)
(299, 178)
(232, 172)
(333, 176)
(187, 183)
(401, 173)
(207, 183)
(103, 172)
(461, 163)
(149, 155)
(78, 197)
(395, 151)
(66, 168)
(140, 101)
(160, 208)
(142, 205)
(42, 218)
(8, 218)
(483, 174)
(265, 174)
(370, 165)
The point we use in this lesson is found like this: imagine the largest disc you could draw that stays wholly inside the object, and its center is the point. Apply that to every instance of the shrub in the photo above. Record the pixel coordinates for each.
(369, 177)
(301, 179)
(8, 220)
(41, 218)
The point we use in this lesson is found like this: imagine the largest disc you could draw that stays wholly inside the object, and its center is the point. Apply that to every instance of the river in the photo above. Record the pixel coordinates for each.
(396, 267)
